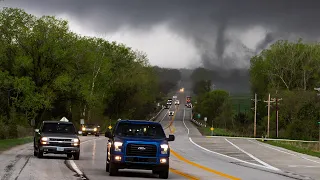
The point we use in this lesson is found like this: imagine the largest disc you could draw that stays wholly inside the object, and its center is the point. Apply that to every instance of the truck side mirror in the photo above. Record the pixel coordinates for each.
(108, 134)
(36, 130)
(171, 137)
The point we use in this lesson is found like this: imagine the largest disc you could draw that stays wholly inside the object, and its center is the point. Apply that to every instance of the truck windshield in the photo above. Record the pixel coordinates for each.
(58, 128)
(90, 125)
(140, 130)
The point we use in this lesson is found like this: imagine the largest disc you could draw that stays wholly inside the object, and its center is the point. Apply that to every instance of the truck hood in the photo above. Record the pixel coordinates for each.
(59, 135)
(139, 139)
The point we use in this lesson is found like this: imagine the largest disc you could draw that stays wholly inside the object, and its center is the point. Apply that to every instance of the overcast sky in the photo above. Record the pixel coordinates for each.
(187, 33)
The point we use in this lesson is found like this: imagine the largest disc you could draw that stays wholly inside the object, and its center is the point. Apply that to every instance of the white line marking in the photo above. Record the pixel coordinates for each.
(164, 115)
(253, 164)
(213, 152)
(277, 149)
(75, 167)
(253, 157)
(184, 114)
(270, 139)
(306, 166)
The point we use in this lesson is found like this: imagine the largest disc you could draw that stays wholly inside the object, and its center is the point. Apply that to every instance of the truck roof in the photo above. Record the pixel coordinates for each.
(139, 121)
(61, 122)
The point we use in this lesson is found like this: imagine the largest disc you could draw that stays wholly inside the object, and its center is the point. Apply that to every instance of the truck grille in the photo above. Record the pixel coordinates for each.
(141, 150)
(60, 144)
(58, 139)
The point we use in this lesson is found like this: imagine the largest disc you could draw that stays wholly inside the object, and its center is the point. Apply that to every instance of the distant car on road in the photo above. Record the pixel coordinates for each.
(169, 102)
(90, 129)
(56, 137)
(189, 105)
(138, 145)
(171, 113)
(177, 102)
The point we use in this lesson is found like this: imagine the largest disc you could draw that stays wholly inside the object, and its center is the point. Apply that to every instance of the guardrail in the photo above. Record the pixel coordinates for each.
(154, 117)
(198, 123)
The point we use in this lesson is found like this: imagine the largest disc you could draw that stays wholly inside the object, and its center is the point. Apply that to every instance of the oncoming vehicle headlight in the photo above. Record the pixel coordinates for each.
(164, 148)
(83, 129)
(117, 146)
(95, 129)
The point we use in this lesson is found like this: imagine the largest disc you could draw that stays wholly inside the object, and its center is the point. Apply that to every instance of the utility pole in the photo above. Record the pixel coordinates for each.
(255, 115)
(277, 112)
(269, 101)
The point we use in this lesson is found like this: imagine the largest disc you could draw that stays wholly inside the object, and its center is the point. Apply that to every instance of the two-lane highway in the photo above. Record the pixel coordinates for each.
(193, 156)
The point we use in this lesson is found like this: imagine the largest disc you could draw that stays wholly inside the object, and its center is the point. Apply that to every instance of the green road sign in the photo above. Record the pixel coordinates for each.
(319, 122)
(199, 115)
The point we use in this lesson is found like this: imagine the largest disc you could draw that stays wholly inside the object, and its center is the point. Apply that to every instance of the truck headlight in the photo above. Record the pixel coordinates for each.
(44, 139)
(94, 129)
(117, 146)
(164, 148)
(83, 129)
(75, 140)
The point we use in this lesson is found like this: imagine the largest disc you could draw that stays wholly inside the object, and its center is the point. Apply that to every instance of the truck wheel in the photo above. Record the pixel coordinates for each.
(76, 156)
(35, 152)
(164, 174)
(40, 154)
(107, 166)
(112, 169)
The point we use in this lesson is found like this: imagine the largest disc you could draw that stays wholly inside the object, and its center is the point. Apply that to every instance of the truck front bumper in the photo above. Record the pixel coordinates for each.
(156, 166)
(59, 150)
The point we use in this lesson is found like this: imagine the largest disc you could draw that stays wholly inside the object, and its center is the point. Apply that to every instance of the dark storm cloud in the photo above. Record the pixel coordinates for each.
(203, 21)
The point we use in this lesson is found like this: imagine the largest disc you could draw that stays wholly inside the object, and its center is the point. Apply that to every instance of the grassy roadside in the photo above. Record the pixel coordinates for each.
(6, 144)
(297, 147)
(205, 131)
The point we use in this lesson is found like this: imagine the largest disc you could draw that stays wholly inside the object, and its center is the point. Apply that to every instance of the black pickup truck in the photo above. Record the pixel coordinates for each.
(56, 137)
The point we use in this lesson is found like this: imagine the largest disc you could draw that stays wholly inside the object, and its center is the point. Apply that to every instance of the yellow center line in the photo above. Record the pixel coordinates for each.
(188, 176)
(202, 167)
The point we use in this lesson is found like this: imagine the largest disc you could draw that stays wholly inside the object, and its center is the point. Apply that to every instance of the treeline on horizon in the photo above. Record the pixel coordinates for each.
(287, 70)
(47, 72)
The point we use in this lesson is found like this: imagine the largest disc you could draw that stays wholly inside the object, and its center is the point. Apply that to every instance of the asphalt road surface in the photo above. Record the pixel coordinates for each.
(193, 157)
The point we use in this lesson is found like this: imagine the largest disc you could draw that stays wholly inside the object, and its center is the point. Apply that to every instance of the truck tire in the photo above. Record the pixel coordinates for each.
(107, 166)
(164, 174)
(40, 154)
(112, 169)
(76, 156)
(35, 152)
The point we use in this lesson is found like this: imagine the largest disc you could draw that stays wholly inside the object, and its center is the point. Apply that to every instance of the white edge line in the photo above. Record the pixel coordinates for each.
(270, 139)
(184, 113)
(277, 149)
(253, 164)
(75, 167)
(223, 154)
(253, 157)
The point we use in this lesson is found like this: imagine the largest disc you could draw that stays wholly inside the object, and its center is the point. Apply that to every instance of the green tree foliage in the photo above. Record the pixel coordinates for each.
(47, 71)
(215, 105)
(292, 70)
(168, 78)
